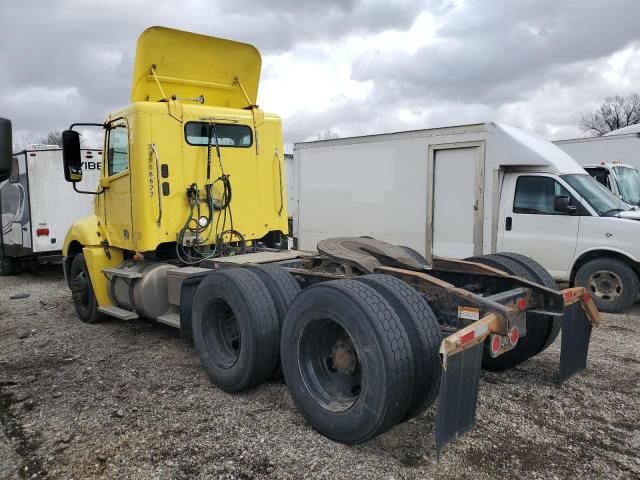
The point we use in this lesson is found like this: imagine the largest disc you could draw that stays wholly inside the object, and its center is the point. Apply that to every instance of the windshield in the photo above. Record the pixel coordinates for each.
(628, 184)
(602, 200)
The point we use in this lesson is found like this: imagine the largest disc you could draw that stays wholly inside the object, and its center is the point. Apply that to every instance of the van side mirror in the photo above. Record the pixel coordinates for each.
(6, 149)
(562, 204)
(71, 158)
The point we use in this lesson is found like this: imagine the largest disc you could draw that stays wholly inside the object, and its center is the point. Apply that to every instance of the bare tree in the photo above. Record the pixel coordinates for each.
(616, 112)
(328, 134)
(54, 137)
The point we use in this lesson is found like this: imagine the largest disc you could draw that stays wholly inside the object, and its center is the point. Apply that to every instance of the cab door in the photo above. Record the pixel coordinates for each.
(117, 184)
(531, 225)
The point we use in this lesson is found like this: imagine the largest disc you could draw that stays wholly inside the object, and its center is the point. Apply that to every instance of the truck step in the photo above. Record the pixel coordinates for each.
(119, 313)
(171, 319)
(118, 272)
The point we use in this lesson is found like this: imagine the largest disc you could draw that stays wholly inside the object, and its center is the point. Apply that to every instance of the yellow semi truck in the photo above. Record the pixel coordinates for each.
(189, 230)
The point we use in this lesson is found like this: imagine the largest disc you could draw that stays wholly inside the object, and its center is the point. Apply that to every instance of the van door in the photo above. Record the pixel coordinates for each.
(531, 226)
(117, 196)
(455, 216)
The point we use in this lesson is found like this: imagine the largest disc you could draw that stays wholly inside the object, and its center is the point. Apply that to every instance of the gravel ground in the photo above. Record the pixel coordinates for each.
(129, 399)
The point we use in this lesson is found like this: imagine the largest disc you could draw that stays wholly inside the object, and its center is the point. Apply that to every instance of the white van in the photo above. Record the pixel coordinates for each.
(471, 190)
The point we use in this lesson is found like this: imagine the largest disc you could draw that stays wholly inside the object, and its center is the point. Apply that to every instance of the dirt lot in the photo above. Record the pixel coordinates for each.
(129, 399)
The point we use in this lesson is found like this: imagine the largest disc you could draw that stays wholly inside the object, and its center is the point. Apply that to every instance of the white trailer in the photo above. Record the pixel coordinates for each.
(471, 190)
(37, 205)
(613, 160)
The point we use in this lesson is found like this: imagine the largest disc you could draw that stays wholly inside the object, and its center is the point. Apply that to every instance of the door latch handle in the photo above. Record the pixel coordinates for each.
(508, 224)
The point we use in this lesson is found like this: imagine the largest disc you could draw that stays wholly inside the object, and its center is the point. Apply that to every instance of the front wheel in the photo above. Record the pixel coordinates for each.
(612, 283)
(84, 298)
(7, 267)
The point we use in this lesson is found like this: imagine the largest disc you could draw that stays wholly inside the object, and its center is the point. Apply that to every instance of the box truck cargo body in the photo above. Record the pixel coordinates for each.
(37, 206)
(471, 190)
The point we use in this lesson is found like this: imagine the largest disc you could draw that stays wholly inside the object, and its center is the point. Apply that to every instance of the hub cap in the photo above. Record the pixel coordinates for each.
(605, 285)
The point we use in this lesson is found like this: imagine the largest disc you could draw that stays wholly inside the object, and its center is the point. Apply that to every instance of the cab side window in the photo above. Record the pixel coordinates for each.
(535, 195)
(118, 149)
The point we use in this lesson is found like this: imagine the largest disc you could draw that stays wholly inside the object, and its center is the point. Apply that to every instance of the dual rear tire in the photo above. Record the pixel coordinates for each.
(359, 356)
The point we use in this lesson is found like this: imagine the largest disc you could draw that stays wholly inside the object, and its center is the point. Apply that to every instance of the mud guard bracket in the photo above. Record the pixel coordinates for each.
(458, 395)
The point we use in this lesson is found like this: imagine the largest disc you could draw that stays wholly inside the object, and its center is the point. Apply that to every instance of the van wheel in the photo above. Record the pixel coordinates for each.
(612, 283)
(347, 360)
(539, 274)
(283, 289)
(235, 329)
(84, 298)
(424, 333)
(537, 328)
(7, 266)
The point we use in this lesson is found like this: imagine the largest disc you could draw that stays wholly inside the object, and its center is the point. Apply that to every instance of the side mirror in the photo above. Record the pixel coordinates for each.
(6, 149)
(561, 203)
(71, 158)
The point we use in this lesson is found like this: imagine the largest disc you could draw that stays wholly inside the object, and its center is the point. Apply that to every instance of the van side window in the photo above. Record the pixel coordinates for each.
(534, 195)
(601, 175)
(118, 149)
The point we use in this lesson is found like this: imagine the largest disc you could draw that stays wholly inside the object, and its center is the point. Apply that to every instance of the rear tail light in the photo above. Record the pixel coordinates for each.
(42, 232)
(514, 335)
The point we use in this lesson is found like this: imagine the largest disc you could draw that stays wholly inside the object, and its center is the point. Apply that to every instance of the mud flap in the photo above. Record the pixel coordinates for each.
(458, 395)
(576, 333)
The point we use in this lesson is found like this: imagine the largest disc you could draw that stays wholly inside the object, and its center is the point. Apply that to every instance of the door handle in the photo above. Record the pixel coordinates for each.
(508, 224)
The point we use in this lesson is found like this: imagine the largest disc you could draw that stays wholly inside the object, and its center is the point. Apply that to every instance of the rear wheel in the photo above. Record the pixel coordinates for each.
(612, 283)
(537, 330)
(539, 274)
(347, 360)
(235, 329)
(424, 333)
(84, 298)
(283, 289)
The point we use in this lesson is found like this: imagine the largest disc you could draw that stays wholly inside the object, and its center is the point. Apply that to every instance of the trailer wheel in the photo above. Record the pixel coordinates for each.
(84, 298)
(415, 254)
(539, 274)
(347, 360)
(7, 266)
(283, 289)
(537, 330)
(424, 333)
(612, 283)
(235, 329)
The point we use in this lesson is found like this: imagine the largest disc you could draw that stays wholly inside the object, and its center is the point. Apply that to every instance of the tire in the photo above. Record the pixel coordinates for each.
(7, 267)
(424, 332)
(528, 345)
(415, 255)
(347, 360)
(283, 289)
(600, 276)
(541, 276)
(235, 329)
(84, 298)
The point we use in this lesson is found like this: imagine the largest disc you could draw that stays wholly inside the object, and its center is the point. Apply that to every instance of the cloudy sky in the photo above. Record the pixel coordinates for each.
(352, 66)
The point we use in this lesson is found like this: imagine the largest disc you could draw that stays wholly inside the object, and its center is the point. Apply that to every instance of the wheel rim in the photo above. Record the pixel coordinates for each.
(221, 330)
(605, 285)
(329, 365)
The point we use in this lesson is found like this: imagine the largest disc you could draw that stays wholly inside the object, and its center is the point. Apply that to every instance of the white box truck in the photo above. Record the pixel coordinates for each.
(37, 205)
(471, 190)
(613, 160)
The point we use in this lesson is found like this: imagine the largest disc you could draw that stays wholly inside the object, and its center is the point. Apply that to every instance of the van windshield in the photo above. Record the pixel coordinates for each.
(628, 184)
(603, 201)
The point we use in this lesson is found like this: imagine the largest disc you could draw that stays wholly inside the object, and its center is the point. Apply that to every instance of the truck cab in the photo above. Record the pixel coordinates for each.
(623, 180)
(578, 229)
(193, 168)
